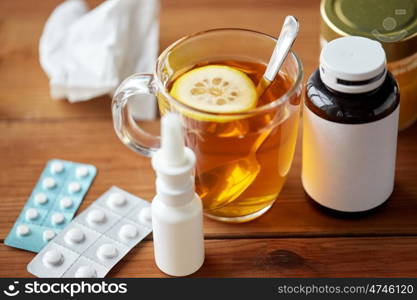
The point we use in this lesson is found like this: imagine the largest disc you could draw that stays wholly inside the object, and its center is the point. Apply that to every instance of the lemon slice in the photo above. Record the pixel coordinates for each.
(216, 89)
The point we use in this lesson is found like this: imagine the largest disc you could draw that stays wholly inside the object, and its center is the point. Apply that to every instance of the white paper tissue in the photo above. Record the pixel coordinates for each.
(87, 53)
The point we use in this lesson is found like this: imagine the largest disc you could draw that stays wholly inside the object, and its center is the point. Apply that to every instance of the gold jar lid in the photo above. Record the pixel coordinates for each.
(391, 22)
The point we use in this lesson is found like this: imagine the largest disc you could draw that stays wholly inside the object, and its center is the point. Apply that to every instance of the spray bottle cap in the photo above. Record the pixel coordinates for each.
(174, 164)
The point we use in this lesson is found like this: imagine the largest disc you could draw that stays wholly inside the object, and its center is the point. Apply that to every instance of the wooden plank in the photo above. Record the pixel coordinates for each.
(264, 15)
(315, 257)
(24, 91)
(25, 146)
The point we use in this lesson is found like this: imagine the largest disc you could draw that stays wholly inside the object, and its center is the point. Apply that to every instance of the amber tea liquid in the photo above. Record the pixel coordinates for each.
(243, 162)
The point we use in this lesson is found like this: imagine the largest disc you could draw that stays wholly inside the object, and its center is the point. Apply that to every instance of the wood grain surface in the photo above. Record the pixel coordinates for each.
(294, 257)
(295, 238)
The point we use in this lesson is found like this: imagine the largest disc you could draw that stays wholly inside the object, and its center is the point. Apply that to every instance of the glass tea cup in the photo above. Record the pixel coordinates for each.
(243, 159)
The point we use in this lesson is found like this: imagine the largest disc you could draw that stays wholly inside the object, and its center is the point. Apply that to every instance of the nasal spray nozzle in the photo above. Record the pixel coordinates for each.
(177, 214)
(174, 164)
(172, 146)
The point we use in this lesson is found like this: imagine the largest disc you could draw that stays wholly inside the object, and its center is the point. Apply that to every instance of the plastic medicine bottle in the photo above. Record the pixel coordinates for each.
(177, 211)
(350, 128)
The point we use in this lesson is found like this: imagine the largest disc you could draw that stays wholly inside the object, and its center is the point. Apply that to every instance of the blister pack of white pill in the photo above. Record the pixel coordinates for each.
(96, 239)
(52, 204)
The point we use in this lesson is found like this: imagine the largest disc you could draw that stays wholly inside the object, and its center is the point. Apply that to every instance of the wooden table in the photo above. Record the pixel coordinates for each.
(295, 238)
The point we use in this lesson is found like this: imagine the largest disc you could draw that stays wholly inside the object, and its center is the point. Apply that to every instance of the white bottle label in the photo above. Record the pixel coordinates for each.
(349, 167)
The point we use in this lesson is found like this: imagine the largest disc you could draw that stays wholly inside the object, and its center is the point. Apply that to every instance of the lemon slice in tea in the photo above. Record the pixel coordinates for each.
(216, 89)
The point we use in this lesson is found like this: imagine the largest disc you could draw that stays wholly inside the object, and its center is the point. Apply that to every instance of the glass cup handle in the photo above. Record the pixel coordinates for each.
(125, 126)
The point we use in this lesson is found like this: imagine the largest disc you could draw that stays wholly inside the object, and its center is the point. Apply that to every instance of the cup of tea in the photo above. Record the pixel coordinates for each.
(244, 142)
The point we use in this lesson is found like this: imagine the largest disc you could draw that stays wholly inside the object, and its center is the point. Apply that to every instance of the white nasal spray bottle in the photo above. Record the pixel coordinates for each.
(177, 212)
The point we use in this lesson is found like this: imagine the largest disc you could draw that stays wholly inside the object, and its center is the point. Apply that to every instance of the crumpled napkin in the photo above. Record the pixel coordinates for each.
(87, 53)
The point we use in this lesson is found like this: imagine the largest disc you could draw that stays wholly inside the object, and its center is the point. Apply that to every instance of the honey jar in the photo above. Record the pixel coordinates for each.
(393, 23)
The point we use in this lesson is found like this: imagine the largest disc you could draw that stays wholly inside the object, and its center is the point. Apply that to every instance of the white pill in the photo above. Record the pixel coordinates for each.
(32, 214)
(96, 217)
(74, 187)
(107, 251)
(128, 232)
(145, 216)
(74, 236)
(116, 200)
(81, 172)
(53, 258)
(49, 183)
(57, 218)
(66, 202)
(41, 198)
(22, 230)
(57, 167)
(85, 272)
(48, 235)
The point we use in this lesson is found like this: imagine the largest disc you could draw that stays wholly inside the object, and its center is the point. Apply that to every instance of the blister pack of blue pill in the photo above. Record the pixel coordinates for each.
(52, 204)
(96, 239)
